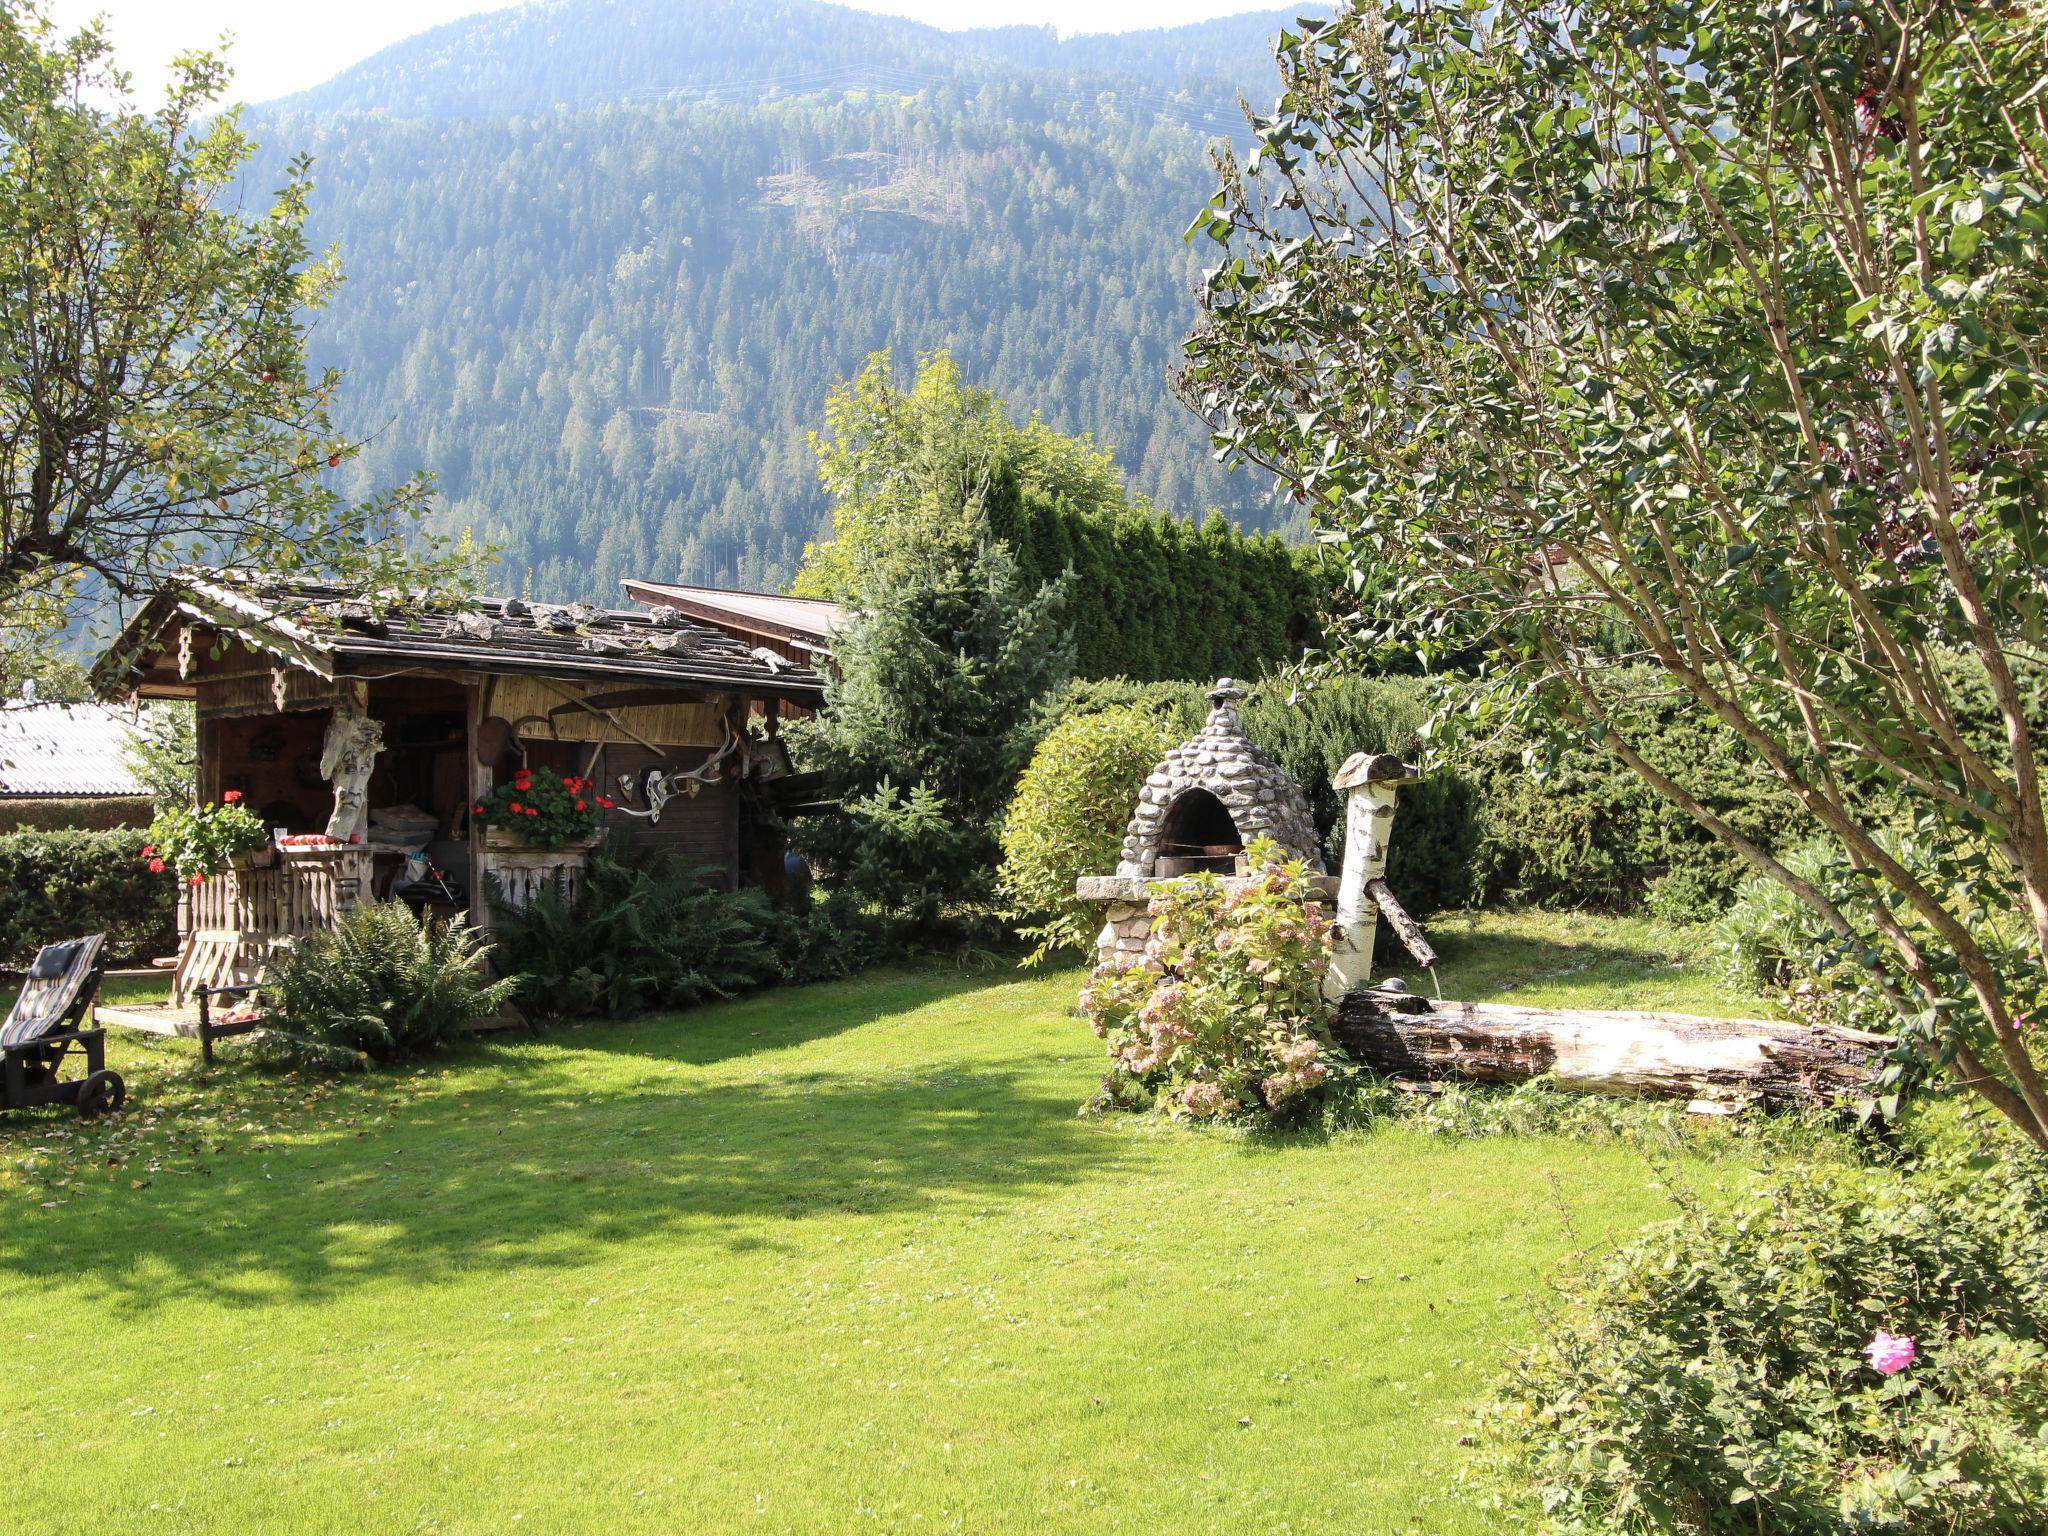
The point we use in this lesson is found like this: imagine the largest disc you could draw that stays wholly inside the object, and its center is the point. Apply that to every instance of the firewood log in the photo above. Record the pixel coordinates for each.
(1652, 1055)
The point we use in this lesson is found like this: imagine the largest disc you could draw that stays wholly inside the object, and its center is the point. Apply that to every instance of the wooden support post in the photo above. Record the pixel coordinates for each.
(1371, 782)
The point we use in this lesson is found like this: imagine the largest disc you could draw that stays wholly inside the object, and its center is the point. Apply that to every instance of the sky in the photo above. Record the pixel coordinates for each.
(283, 46)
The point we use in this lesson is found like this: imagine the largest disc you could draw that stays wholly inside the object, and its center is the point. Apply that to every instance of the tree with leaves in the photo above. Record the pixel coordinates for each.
(155, 406)
(1706, 335)
(924, 730)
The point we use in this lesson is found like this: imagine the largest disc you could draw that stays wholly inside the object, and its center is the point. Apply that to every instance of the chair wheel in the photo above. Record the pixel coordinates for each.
(102, 1093)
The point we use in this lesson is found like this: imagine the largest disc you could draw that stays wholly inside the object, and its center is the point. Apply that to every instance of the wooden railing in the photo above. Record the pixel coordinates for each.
(229, 926)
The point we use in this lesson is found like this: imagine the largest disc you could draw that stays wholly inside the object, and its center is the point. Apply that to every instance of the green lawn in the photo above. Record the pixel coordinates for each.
(832, 1259)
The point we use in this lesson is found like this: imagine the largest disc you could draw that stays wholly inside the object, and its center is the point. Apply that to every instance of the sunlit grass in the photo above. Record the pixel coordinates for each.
(829, 1259)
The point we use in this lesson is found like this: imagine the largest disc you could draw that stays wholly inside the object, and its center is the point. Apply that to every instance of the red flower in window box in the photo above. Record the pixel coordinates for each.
(545, 809)
(232, 797)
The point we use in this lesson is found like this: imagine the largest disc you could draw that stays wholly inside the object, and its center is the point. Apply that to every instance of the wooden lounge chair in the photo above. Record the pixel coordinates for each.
(47, 1020)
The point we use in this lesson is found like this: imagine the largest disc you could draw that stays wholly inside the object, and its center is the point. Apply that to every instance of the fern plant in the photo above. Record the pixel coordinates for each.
(381, 985)
(644, 932)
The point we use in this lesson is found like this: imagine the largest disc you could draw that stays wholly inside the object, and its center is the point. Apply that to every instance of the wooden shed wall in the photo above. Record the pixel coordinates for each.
(703, 829)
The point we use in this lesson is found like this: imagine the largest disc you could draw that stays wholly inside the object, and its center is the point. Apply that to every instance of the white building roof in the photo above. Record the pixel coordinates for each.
(65, 751)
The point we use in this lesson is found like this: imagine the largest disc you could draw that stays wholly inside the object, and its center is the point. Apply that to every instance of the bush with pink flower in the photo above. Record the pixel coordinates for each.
(1848, 1349)
(1223, 1015)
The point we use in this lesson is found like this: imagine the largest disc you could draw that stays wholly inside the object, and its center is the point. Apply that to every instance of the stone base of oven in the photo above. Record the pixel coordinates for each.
(1127, 923)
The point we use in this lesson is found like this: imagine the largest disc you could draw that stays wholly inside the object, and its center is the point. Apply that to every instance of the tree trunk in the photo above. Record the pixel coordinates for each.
(1723, 1062)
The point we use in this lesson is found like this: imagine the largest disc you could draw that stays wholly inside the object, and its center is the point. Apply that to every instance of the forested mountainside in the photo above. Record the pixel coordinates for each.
(609, 327)
(571, 53)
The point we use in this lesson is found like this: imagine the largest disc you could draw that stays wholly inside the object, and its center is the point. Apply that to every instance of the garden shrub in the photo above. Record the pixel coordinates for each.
(1518, 818)
(59, 885)
(1762, 935)
(1744, 1370)
(382, 985)
(1223, 1017)
(827, 939)
(1068, 818)
(1437, 827)
(646, 930)
(1585, 831)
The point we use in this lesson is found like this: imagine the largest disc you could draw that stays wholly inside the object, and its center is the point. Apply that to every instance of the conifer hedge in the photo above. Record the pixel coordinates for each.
(1158, 597)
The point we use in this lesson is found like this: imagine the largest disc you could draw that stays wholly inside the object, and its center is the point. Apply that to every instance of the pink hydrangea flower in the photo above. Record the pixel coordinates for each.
(1889, 1353)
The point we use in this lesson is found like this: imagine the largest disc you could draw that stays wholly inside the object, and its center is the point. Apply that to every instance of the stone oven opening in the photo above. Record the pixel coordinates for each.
(1198, 834)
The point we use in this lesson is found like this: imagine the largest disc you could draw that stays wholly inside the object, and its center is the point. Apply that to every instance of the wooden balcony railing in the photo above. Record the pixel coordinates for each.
(229, 927)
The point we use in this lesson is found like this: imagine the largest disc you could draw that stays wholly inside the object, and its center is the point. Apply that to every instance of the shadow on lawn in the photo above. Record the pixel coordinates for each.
(533, 1162)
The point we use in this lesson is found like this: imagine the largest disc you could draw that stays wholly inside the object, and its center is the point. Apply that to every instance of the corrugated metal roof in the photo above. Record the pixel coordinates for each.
(64, 751)
(768, 613)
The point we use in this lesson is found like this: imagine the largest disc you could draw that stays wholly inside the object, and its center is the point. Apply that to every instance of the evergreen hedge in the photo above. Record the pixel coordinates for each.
(1158, 597)
(1585, 834)
(59, 885)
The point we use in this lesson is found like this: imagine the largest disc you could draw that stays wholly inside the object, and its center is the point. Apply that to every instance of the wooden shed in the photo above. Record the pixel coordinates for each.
(410, 709)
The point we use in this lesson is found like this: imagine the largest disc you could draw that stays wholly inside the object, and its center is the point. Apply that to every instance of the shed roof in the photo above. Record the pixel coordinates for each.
(328, 631)
(809, 621)
(65, 751)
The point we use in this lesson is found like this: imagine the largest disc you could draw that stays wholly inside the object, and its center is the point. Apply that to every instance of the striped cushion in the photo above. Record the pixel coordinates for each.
(45, 999)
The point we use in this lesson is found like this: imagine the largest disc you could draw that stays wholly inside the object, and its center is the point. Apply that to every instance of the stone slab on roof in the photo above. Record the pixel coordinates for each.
(327, 631)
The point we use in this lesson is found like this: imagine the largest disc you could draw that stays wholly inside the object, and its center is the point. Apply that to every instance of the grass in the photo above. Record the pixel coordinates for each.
(1576, 960)
(830, 1259)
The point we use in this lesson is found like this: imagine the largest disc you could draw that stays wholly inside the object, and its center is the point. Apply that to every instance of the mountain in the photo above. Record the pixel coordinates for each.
(552, 54)
(607, 257)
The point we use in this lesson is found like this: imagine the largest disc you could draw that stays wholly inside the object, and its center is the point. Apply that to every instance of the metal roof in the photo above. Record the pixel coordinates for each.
(65, 751)
(806, 620)
(328, 631)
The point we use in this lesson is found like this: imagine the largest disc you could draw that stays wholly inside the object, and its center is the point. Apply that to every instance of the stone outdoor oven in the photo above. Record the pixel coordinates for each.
(1210, 797)
(1207, 800)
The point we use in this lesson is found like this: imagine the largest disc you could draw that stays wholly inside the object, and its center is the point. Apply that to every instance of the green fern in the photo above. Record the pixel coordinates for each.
(380, 985)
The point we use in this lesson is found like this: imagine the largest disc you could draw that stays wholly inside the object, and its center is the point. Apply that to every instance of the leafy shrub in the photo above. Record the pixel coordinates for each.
(1719, 1374)
(59, 885)
(827, 940)
(1565, 825)
(1437, 825)
(381, 984)
(645, 931)
(1068, 818)
(1761, 935)
(1223, 1015)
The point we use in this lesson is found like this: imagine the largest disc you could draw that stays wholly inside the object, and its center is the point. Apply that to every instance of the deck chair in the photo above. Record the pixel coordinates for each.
(49, 1019)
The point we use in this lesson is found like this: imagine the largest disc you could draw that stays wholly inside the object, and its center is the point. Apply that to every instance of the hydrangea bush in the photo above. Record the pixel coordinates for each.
(1222, 1017)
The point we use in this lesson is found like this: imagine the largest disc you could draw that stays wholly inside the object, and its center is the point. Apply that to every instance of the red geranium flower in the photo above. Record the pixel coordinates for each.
(156, 866)
(582, 805)
(604, 802)
(477, 809)
(531, 811)
(231, 797)
(148, 849)
(517, 808)
(199, 879)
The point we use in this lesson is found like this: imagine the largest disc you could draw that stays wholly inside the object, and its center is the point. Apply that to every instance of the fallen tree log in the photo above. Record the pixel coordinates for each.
(1719, 1062)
